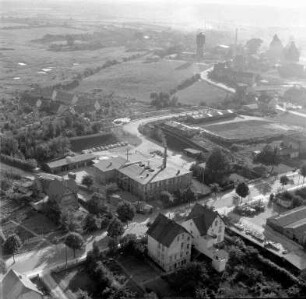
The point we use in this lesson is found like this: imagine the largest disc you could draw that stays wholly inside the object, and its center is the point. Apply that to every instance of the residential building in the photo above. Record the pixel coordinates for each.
(106, 170)
(292, 224)
(17, 286)
(63, 191)
(294, 144)
(169, 244)
(69, 163)
(207, 230)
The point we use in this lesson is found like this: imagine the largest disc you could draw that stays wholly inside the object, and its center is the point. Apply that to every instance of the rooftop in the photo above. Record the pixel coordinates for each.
(203, 217)
(70, 160)
(152, 171)
(291, 219)
(110, 164)
(165, 230)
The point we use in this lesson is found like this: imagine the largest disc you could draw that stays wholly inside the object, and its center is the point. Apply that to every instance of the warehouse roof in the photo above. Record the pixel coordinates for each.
(70, 160)
(294, 218)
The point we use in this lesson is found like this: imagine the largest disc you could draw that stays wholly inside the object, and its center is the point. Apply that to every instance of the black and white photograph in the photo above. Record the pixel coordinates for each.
(152, 149)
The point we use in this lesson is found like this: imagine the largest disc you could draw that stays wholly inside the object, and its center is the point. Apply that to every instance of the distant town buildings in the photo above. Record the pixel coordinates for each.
(275, 52)
(294, 145)
(291, 224)
(169, 244)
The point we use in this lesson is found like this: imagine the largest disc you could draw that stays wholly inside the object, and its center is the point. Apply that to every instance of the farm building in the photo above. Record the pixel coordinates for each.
(169, 244)
(292, 224)
(69, 163)
(17, 286)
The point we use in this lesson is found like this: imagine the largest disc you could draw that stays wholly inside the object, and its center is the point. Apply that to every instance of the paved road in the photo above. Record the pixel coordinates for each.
(204, 77)
(291, 111)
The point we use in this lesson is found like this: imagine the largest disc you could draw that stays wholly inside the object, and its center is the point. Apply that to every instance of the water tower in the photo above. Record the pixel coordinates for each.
(200, 40)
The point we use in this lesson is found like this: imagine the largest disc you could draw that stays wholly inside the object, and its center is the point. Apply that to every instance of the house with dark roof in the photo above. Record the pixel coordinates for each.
(63, 191)
(17, 286)
(207, 230)
(292, 224)
(169, 244)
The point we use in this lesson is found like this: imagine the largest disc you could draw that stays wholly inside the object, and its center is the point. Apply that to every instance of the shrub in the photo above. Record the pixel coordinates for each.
(28, 165)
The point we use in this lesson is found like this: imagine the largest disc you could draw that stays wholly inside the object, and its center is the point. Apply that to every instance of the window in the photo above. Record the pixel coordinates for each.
(178, 238)
(182, 245)
(187, 246)
(216, 222)
(188, 238)
(181, 254)
(220, 228)
(170, 258)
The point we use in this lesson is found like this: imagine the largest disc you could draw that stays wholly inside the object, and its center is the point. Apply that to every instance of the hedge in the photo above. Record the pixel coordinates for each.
(29, 164)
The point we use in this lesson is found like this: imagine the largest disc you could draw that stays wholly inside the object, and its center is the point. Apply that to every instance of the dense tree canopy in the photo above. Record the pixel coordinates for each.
(242, 190)
(217, 166)
(125, 211)
(74, 241)
(115, 228)
(12, 244)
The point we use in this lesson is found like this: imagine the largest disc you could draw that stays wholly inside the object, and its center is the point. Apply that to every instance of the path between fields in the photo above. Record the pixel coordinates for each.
(31, 231)
(291, 112)
(204, 77)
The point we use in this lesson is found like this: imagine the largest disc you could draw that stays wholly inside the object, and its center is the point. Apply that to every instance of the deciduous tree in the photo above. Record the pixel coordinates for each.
(12, 244)
(125, 211)
(74, 241)
(242, 190)
(115, 228)
(87, 181)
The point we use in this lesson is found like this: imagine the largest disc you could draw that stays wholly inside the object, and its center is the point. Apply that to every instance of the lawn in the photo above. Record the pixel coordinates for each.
(201, 92)
(138, 79)
(247, 129)
(74, 279)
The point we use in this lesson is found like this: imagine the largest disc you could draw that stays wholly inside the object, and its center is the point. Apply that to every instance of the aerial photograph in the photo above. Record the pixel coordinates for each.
(152, 149)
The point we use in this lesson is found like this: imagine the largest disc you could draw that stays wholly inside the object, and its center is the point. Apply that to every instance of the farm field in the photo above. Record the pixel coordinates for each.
(291, 119)
(137, 79)
(25, 63)
(201, 92)
(248, 129)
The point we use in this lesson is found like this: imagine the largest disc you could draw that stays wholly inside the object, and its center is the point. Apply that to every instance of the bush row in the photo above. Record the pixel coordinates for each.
(29, 164)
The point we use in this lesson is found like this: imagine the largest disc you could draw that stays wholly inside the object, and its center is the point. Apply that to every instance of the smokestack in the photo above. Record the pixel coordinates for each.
(236, 41)
(165, 157)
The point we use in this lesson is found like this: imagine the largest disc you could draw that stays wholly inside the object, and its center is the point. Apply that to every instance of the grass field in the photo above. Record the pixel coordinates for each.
(137, 79)
(291, 119)
(247, 129)
(35, 57)
(201, 92)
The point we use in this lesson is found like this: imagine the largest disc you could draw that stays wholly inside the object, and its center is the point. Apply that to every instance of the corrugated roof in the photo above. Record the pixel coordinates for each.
(203, 217)
(290, 218)
(165, 230)
(71, 160)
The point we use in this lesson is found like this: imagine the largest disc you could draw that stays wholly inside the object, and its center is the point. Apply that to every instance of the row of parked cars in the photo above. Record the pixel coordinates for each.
(260, 238)
(104, 148)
